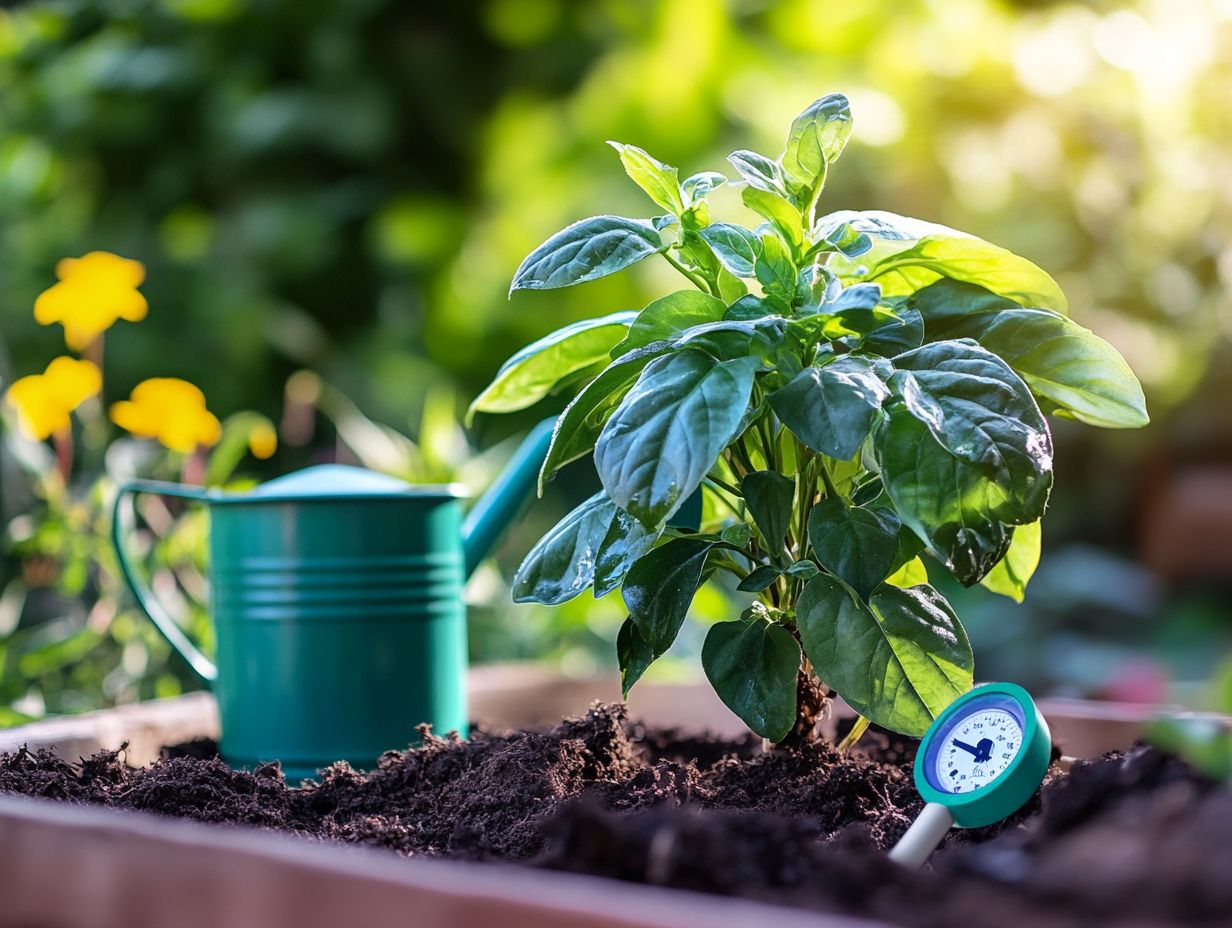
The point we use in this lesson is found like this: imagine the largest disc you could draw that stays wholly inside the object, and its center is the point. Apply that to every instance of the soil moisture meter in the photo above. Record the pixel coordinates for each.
(979, 762)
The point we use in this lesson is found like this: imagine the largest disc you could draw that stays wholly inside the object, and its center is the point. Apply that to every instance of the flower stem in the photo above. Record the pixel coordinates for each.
(193, 473)
(63, 441)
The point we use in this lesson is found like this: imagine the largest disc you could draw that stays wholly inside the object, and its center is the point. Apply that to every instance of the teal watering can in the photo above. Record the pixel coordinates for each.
(336, 596)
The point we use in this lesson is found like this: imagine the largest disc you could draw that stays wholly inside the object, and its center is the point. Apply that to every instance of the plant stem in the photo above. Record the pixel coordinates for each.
(717, 486)
(740, 454)
(193, 471)
(63, 441)
(696, 279)
(858, 729)
(723, 485)
(767, 441)
(827, 480)
(805, 481)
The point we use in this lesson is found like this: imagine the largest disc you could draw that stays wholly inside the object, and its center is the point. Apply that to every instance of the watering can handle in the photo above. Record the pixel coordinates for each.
(201, 664)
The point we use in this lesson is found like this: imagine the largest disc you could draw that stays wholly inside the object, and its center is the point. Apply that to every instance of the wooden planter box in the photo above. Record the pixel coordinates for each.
(67, 866)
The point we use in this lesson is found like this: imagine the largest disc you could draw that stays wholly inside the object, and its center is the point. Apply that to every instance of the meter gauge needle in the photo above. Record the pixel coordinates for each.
(980, 752)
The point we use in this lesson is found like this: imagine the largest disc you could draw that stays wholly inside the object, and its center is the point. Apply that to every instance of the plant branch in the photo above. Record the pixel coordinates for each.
(717, 485)
(696, 279)
(827, 480)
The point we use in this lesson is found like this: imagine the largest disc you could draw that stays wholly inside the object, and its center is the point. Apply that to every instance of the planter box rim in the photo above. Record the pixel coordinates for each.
(462, 891)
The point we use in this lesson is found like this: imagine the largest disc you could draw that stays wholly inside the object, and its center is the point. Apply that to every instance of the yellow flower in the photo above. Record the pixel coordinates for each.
(94, 291)
(262, 440)
(44, 401)
(171, 410)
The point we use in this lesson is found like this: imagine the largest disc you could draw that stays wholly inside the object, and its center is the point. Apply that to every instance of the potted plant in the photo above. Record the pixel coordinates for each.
(877, 400)
(851, 391)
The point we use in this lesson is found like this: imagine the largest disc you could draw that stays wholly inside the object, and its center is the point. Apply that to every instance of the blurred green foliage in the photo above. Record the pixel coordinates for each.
(347, 187)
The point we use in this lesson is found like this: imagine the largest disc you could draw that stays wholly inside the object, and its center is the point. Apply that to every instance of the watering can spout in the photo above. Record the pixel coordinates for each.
(499, 506)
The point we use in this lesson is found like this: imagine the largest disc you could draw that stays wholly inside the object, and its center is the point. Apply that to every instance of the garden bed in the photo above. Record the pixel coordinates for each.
(1136, 837)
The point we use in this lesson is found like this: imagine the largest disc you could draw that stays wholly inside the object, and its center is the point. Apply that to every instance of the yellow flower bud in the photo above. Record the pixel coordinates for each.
(262, 440)
(171, 410)
(44, 401)
(94, 291)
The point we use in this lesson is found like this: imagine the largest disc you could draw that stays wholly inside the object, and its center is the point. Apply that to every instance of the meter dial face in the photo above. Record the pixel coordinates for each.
(976, 748)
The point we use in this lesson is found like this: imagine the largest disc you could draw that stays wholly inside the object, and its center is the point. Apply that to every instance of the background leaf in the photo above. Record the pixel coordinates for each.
(753, 667)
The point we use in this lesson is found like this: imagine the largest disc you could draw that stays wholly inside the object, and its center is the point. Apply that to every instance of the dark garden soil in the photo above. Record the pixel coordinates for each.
(1133, 839)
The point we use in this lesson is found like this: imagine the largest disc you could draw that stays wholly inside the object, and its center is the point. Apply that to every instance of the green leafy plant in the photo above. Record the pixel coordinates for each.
(851, 389)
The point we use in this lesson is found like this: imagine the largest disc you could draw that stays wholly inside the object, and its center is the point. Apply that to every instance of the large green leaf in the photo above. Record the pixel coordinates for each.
(729, 339)
(963, 450)
(659, 587)
(541, 366)
(856, 544)
(669, 317)
(578, 427)
(587, 250)
(660, 181)
(1069, 366)
(669, 429)
(782, 214)
(734, 245)
(816, 139)
(594, 545)
(769, 496)
(900, 660)
(832, 408)
(902, 268)
(1009, 577)
(752, 665)
(882, 225)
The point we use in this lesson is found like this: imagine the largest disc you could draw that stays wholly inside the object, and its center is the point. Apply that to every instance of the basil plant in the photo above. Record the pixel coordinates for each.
(849, 390)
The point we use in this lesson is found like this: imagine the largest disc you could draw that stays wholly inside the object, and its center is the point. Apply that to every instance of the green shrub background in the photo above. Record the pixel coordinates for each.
(346, 187)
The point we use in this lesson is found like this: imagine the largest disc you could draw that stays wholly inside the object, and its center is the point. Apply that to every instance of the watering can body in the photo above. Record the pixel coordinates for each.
(336, 595)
